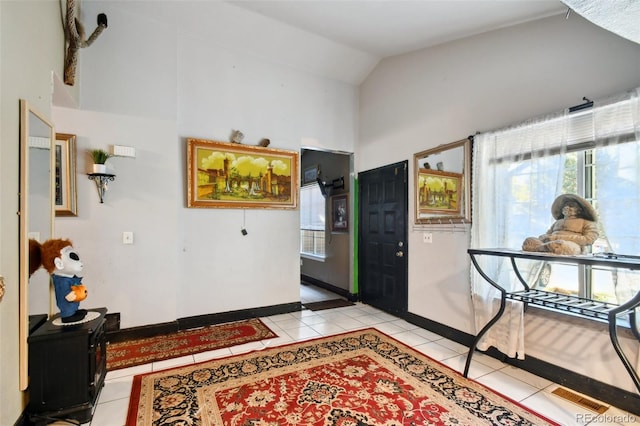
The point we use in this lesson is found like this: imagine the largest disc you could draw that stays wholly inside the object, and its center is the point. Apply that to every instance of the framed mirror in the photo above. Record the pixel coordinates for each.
(36, 222)
(443, 184)
(65, 175)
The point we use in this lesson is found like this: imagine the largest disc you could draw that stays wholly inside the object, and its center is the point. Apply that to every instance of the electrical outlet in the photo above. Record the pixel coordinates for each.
(127, 237)
(427, 238)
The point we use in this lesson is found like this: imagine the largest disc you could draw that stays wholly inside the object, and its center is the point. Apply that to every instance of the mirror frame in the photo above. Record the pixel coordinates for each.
(458, 175)
(23, 214)
(65, 196)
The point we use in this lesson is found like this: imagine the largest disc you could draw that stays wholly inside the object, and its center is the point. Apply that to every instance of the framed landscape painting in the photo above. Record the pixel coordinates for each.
(439, 192)
(231, 175)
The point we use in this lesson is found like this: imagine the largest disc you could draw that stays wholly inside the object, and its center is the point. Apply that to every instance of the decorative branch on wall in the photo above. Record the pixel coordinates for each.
(75, 38)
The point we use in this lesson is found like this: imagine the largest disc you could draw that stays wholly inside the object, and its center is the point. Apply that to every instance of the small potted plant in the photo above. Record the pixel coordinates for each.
(99, 157)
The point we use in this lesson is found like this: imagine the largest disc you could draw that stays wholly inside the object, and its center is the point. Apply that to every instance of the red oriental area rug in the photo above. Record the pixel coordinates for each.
(143, 351)
(362, 378)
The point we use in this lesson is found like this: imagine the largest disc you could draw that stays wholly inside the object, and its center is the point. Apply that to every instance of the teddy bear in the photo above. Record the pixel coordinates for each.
(575, 227)
(61, 260)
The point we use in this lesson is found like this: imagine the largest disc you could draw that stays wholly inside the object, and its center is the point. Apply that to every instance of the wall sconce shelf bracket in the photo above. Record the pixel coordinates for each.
(101, 180)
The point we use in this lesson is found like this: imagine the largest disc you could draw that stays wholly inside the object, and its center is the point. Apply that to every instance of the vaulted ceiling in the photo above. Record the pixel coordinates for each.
(392, 27)
(338, 39)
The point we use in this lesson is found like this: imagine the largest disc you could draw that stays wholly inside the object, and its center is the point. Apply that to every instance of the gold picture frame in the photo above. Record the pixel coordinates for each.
(66, 196)
(230, 175)
(442, 184)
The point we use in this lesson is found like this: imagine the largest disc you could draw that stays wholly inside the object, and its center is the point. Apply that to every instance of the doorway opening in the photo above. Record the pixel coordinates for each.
(326, 225)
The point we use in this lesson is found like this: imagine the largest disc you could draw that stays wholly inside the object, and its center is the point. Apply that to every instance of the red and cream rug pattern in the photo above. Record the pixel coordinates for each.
(188, 342)
(354, 379)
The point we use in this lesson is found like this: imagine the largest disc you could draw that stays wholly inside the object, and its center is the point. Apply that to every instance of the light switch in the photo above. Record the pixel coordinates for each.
(127, 237)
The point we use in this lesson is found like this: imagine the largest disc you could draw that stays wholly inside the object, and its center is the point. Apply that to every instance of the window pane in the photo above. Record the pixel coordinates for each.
(603, 287)
(617, 183)
(318, 238)
(312, 221)
(312, 208)
(312, 242)
(559, 278)
(618, 195)
(306, 241)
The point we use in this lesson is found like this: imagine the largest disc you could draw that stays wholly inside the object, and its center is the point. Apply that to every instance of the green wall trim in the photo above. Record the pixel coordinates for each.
(356, 214)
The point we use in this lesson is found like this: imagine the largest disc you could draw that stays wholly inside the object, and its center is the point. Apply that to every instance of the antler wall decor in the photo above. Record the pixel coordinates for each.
(74, 33)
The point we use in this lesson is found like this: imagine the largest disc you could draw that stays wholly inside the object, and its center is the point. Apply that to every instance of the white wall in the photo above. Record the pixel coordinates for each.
(150, 84)
(443, 94)
(140, 87)
(143, 280)
(31, 41)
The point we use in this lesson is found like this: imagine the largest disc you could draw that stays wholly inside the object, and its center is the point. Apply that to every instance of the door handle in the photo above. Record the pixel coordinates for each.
(399, 253)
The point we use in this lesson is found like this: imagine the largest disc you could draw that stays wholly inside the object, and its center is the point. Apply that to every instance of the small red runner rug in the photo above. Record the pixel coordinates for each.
(143, 351)
(362, 378)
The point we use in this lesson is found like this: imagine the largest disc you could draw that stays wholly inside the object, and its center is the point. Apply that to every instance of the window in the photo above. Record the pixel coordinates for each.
(580, 177)
(519, 171)
(312, 221)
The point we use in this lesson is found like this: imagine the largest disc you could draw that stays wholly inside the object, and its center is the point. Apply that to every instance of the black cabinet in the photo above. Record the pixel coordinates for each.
(67, 366)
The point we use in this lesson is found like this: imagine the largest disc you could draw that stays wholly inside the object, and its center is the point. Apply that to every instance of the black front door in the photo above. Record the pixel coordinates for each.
(382, 260)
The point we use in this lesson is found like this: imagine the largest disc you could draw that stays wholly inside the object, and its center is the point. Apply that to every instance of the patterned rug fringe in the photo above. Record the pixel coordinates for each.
(359, 378)
(188, 342)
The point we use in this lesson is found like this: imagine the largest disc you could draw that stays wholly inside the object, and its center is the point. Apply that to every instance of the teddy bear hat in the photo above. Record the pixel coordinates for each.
(588, 212)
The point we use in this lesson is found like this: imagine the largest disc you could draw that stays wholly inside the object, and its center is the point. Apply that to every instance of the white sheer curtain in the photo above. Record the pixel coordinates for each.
(519, 171)
(618, 184)
(616, 124)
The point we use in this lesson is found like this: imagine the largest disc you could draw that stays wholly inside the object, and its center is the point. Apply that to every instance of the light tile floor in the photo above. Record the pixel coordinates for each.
(531, 391)
(310, 293)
